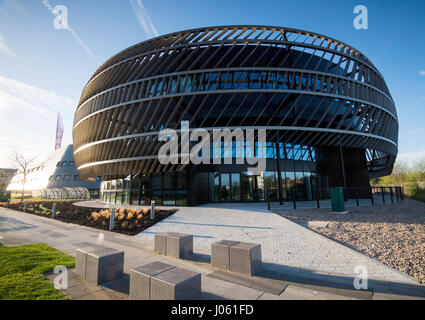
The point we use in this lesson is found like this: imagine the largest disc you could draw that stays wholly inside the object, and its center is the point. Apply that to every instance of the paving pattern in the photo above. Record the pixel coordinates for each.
(285, 244)
(17, 228)
(14, 231)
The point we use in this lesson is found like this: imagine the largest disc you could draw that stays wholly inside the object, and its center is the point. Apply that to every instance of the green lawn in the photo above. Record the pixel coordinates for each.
(18, 197)
(15, 197)
(22, 269)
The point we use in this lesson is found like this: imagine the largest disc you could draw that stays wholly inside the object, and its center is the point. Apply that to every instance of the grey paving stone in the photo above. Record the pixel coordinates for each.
(386, 296)
(176, 284)
(272, 286)
(300, 293)
(81, 290)
(283, 242)
(57, 235)
(279, 237)
(140, 279)
(238, 292)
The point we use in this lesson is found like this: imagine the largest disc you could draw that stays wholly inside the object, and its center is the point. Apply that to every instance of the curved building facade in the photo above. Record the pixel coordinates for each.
(329, 116)
(55, 177)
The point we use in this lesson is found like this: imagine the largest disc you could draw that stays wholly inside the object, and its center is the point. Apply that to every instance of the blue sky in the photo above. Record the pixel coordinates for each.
(43, 70)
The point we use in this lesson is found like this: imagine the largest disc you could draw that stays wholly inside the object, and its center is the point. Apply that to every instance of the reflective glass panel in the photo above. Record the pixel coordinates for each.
(236, 187)
(225, 187)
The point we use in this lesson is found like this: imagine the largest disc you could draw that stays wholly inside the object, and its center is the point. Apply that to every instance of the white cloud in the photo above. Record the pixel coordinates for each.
(4, 48)
(17, 95)
(410, 157)
(143, 18)
(422, 72)
(12, 6)
(414, 131)
(28, 119)
(3, 13)
(66, 26)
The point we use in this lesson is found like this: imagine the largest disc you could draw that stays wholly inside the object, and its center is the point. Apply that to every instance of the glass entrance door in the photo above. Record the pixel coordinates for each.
(247, 188)
(236, 187)
(225, 187)
(252, 188)
(230, 189)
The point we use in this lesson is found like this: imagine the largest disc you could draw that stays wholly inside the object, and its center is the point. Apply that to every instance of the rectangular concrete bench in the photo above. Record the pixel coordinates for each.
(173, 244)
(81, 258)
(161, 281)
(235, 256)
(220, 254)
(100, 264)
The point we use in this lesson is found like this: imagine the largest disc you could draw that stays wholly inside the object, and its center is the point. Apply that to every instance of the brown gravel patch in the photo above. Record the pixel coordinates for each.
(393, 234)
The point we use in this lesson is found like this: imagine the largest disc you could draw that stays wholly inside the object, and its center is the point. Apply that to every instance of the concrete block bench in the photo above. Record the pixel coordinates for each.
(220, 254)
(173, 244)
(81, 258)
(99, 264)
(161, 281)
(240, 257)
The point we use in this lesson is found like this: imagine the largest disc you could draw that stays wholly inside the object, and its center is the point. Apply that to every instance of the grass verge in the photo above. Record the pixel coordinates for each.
(22, 272)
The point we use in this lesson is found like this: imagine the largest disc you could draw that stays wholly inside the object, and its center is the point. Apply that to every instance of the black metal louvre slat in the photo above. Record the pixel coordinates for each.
(99, 117)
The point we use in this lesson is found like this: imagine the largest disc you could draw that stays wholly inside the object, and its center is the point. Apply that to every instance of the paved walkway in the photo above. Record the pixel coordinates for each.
(17, 228)
(285, 245)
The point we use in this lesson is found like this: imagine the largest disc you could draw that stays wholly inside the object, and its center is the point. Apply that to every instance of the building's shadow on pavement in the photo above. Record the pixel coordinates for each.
(339, 284)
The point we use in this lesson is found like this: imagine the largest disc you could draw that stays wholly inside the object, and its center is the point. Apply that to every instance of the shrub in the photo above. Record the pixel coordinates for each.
(95, 215)
(413, 187)
(105, 213)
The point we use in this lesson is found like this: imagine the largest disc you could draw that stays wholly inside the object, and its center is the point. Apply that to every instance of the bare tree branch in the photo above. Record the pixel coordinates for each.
(23, 163)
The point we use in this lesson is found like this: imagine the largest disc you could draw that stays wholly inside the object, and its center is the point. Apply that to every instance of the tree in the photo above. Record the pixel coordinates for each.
(5, 176)
(23, 163)
(399, 175)
(405, 174)
(419, 169)
(400, 172)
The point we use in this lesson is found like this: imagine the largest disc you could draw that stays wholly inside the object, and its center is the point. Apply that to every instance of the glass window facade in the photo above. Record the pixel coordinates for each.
(169, 188)
(248, 187)
(230, 80)
(300, 183)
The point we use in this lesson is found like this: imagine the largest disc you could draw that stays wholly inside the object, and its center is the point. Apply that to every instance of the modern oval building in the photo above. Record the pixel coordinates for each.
(329, 116)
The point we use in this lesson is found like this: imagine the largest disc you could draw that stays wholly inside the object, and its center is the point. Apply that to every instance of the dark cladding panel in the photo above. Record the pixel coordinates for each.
(286, 83)
(354, 164)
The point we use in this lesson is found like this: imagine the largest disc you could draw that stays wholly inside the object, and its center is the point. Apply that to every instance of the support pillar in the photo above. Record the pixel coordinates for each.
(344, 179)
(279, 176)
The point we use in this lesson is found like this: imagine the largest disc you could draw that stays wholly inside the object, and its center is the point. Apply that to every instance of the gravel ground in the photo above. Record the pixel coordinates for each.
(393, 234)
